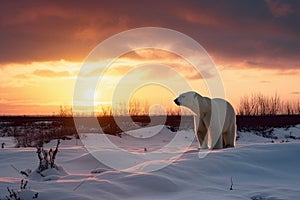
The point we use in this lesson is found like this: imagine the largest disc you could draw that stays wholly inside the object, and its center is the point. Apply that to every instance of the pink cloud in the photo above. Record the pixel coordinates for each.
(279, 8)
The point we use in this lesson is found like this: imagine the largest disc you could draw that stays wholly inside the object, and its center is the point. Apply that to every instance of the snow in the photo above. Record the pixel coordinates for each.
(44, 122)
(8, 141)
(260, 168)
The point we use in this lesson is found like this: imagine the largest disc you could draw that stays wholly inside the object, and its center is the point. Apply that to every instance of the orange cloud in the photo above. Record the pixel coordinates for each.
(51, 73)
(156, 56)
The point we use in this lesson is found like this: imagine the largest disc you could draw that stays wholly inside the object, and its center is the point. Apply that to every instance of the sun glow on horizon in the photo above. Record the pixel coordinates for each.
(41, 87)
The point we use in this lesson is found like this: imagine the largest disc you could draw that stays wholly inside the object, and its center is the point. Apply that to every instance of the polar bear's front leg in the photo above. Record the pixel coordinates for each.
(218, 144)
(202, 139)
(204, 142)
(202, 135)
(200, 132)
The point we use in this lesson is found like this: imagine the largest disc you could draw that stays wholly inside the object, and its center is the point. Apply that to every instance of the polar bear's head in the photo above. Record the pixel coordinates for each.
(189, 100)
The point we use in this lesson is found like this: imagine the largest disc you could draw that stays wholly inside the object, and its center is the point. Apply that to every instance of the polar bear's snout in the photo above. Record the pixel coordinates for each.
(176, 101)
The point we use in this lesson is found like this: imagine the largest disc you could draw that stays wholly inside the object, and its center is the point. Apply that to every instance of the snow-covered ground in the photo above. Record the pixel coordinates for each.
(258, 168)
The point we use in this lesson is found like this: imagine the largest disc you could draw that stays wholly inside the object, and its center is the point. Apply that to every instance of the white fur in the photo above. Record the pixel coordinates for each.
(214, 122)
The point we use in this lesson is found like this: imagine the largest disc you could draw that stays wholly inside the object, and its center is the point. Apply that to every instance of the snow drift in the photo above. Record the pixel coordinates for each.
(258, 168)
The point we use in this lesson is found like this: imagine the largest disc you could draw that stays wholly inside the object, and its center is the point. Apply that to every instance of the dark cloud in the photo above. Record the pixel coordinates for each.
(229, 30)
(279, 8)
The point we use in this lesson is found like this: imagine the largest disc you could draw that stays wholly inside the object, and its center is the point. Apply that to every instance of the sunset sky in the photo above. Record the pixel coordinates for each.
(254, 44)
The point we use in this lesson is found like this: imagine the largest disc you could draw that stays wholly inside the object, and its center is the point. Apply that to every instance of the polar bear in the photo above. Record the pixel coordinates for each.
(214, 120)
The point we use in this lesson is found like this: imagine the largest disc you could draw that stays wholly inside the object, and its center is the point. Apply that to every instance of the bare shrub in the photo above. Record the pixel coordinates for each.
(105, 110)
(174, 111)
(245, 107)
(46, 158)
(297, 107)
(65, 111)
(288, 108)
(275, 104)
(15, 194)
(260, 104)
(135, 107)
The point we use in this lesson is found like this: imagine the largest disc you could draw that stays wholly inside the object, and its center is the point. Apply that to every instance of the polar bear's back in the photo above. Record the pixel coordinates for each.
(223, 103)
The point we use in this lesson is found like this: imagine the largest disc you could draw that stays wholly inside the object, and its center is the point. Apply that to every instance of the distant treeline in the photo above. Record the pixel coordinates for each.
(262, 105)
(45, 127)
(256, 104)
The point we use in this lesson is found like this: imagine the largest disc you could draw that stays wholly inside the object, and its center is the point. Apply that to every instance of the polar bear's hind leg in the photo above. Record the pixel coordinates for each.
(230, 137)
(225, 139)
